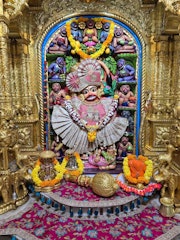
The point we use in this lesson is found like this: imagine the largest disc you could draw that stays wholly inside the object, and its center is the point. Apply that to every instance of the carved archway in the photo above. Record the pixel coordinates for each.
(134, 58)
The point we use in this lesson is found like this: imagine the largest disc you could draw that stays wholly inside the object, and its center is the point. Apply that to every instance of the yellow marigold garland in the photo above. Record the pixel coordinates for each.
(47, 183)
(142, 179)
(80, 169)
(77, 46)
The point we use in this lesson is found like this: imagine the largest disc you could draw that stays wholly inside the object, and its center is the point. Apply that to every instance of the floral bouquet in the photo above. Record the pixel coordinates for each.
(137, 170)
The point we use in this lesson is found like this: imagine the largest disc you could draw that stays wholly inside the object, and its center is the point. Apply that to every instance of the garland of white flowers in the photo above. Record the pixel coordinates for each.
(75, 116)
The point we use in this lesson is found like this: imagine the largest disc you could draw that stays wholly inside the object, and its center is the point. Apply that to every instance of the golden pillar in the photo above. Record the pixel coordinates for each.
(23, 54)
(4, 64)
(176, 70)
(160, 119)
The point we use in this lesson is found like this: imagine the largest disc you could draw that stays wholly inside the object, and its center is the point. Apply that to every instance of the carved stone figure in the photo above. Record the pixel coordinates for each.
(104, 158)
(90, 34)
(56, 69)
(126, 97)
(105, 32)
(125, 72)
(57, 95)
(76, 33)
(60, 43)
(124, 147)
(121, 42)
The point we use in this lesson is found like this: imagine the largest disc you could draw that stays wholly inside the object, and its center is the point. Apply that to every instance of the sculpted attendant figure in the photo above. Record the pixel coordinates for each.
(124, 147)
(104, 158)
(60, 43)
(57, 95)
(122, 42)
(126, 97)
(90, 34)
(77, 35)
(125, 72)
(55, 69)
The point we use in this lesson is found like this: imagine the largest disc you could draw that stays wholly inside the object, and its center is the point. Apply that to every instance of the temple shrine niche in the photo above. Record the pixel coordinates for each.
(91, 76)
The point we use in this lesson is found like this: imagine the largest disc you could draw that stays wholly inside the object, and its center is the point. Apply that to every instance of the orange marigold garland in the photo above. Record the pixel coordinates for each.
(48, 183)
(139, 178)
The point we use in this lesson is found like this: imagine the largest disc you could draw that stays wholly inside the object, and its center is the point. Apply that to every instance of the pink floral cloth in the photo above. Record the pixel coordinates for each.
(74, 192)
(42, 223)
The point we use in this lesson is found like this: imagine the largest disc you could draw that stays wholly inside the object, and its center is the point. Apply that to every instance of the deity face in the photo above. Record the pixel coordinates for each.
(120, 63)
(106, 26)
(56, 87)
(90, 93)
(124, 140)
(90, 23)
(63, 32)
(74, 26)
(118, 32)
(111, 149)
(125, 89)
(60, 61)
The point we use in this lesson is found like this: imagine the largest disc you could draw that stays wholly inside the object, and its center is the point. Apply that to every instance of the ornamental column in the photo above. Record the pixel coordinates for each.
(176, 69)
(4, 59)
(161, 65)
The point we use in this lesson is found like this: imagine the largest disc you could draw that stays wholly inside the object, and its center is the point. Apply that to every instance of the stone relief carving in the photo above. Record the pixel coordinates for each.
(25, 136)
(162, 135)
(132, 11)
(14, 7)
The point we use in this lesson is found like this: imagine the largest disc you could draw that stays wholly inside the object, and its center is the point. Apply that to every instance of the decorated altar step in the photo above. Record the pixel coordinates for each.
(77, 201)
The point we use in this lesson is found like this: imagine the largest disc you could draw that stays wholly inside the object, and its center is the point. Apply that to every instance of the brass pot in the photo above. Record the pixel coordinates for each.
(167, 207)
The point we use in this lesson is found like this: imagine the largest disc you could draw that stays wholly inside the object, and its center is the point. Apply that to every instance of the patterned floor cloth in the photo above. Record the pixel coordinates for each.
(37, 221)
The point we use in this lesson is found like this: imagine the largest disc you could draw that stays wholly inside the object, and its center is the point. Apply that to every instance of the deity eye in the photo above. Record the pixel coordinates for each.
(93, 89)
(85, 91)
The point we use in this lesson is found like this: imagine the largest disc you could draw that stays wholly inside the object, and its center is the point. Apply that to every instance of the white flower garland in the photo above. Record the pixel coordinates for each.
(76, 117)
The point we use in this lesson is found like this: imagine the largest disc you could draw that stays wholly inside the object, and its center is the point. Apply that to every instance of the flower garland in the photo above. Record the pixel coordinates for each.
(141, 179)
(91, 129)
(146, 191)
(47, 183)
(80, 169)
(77, 46)
(75, 116)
